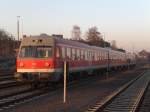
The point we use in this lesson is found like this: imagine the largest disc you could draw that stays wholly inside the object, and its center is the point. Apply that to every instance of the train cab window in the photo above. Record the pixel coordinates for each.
(35, 52)
(44, 52)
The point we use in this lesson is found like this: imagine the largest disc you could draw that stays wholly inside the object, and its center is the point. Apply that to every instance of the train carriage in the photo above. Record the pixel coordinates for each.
(41, 58)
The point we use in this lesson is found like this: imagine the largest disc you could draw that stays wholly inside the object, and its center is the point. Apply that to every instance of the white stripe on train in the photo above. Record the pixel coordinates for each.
(70, 69)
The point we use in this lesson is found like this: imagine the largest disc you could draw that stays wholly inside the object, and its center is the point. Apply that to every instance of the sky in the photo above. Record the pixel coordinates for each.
(126, 21)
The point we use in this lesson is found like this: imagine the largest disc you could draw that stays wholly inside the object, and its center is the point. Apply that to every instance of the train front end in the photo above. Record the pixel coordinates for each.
(35, 59)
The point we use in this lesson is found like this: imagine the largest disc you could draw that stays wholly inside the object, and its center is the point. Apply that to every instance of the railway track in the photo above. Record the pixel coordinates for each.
(20, 97)
(126, 99)
(27, 95)
(144, 105)
(7, 79)
(6, 75)
(9, 84)
(10, 100)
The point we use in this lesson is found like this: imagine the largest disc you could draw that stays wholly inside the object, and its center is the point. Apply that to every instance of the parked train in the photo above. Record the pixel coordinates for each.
(41, 58)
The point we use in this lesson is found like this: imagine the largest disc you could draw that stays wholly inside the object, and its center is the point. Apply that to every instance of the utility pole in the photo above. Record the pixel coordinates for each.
(18, 17)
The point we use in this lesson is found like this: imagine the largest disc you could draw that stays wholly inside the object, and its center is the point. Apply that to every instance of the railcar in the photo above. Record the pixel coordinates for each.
(41, 58)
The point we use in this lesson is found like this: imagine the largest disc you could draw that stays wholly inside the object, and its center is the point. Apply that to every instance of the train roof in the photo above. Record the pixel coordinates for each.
(83, 45)
(37, 41)
(47, 40)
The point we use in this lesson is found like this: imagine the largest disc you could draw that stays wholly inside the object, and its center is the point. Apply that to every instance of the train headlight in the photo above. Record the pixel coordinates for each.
(21, 64)
(47, 64)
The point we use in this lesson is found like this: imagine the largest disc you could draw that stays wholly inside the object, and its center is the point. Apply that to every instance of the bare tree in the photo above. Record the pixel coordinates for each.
(6, 44)
(94, 37)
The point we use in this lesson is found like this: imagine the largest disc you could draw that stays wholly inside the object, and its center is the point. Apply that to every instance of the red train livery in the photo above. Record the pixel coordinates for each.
(41, 58)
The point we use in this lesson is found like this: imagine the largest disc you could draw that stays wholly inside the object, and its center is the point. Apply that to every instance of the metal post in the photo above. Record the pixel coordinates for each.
(65, 82)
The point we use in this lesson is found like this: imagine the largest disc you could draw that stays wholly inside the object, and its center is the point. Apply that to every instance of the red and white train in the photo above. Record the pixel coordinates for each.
(41, 58)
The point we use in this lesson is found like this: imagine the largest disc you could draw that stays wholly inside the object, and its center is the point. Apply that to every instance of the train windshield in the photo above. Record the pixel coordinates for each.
(36, 52)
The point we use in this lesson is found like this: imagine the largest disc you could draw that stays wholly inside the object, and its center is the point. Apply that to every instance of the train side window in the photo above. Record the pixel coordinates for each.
(82, 55)
(73, 54)
(106, 55)
(68, 53)
(63, 52)
(86, 55)
(92, 56)
(102, 55)
(95, 56)
(78, 54)
(57, 52)
(99, 56)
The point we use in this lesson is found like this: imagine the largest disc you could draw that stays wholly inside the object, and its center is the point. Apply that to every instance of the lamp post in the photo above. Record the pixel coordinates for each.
(18, 33)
